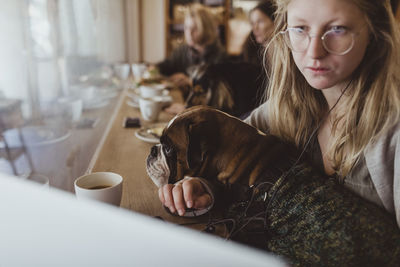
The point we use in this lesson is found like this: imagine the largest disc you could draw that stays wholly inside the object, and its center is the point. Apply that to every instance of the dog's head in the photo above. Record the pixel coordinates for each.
(201, 142)
(181, 148)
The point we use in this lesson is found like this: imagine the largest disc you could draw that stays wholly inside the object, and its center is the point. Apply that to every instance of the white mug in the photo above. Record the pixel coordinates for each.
(122, 70)
(150, 108)
(87, 94)
(72, 106)
(138, 71)
(101, 186)
(150, 91)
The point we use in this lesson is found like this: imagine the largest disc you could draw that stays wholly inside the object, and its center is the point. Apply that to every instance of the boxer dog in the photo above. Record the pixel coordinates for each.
(234, 88)
(292, 210)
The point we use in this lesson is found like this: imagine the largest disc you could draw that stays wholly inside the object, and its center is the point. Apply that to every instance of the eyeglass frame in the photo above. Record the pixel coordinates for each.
(285, 32)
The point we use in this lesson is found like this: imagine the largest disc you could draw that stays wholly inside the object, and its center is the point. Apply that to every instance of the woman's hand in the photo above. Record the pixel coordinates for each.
(180, 79)
(175, 108)
(188, 193)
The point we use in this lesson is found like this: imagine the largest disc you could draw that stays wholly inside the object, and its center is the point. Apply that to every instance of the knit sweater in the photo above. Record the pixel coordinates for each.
(381, 166)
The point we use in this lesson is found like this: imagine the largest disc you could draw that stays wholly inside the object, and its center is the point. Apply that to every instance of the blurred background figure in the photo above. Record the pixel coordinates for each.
(262, 27)
(238, 29)
(202, 47)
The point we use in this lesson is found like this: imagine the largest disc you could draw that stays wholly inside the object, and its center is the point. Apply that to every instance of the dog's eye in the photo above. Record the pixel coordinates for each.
(167, 150)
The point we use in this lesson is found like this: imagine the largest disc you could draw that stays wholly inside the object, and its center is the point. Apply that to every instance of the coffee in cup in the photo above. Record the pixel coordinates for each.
(101, 186)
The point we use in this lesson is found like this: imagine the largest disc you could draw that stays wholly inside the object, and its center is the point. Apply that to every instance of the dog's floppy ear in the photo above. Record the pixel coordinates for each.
(200, 143)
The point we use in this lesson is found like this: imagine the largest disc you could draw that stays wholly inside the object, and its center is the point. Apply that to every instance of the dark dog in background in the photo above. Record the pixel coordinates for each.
(233, 87)
(292, 210)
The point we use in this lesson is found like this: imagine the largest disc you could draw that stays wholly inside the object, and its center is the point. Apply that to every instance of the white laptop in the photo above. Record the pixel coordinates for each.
(40, 227)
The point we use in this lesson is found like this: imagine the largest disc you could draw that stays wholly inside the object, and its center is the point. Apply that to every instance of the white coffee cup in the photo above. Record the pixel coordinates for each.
(72, 106)
(122, 70)
(101, 186)
(150, 91)
(138, 71)
(87, 94)
(150, 107)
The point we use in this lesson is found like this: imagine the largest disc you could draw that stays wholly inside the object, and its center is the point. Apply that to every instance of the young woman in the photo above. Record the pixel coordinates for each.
(334, 92)
(202, 46)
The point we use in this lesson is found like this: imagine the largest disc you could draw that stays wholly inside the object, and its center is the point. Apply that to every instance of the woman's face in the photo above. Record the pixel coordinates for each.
(322, 69)
(191, 31)
(262, 26)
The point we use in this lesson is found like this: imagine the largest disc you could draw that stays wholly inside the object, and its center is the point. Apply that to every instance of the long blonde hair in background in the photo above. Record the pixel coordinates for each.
(296, 109)
(205, 22)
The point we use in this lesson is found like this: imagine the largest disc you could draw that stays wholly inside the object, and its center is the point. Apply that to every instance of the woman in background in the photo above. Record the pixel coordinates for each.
(262, 27)
(202, 46)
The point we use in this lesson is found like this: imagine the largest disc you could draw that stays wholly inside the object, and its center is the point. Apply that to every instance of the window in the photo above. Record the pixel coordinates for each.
(57, 55)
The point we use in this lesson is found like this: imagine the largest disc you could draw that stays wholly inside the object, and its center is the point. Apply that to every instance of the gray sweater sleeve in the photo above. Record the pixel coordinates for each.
(259, 118)
(383, 163)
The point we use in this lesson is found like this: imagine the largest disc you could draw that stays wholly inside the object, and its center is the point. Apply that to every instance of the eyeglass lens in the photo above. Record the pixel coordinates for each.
(336, 42)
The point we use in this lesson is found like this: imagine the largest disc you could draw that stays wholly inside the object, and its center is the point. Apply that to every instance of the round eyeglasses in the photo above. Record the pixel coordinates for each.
(337, 41)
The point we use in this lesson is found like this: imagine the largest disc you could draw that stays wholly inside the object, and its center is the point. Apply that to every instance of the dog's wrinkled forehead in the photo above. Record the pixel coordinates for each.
(177, 128)
(175, 133)
(182, 119)
(195, 115)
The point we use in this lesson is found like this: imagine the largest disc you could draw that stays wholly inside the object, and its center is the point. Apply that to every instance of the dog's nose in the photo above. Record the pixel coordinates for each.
(154, 151)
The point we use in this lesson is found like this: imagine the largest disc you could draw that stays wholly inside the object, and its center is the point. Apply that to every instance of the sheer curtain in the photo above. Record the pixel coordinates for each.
(43, 42)
(50, 49)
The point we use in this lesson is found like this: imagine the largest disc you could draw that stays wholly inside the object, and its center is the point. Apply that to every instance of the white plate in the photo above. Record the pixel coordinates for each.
(95, 104)
(106, 93)
(132, 95)
(35, 136)
(145, 135)
(136, 93)
(132, 103)
(167, 100)
(156, 85)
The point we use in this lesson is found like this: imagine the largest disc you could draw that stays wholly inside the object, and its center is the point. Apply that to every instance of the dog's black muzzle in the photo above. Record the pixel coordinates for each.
(154, 152)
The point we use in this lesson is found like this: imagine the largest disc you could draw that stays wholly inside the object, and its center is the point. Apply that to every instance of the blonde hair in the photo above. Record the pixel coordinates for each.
(205, 22)
(296, 109)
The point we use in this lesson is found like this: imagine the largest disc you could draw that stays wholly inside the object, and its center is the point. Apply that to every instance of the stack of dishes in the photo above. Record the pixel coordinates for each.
(149, 91)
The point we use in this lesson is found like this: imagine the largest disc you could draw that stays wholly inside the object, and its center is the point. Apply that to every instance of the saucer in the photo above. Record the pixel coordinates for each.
(136, 93)
(35, 136)
(106, 93)
(132, 103)
(95, 104)
(155, 85)
(134, 98)
(158, 86)
(167, 100)
(151, 133)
